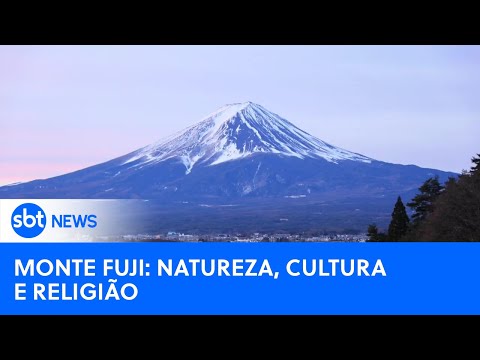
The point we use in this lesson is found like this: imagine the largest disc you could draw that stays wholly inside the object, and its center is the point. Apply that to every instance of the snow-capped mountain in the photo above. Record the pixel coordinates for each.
(236, 131)
(244, 162)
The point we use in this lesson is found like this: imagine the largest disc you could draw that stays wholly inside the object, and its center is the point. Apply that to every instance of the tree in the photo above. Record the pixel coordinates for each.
(456, 214)
(422, 204)
(399, 224)
(476, 165)
(372, 233)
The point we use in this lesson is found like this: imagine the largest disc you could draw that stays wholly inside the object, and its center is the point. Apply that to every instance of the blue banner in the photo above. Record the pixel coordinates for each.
(240, 278)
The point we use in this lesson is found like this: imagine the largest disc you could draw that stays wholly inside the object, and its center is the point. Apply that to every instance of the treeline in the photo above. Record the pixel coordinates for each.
(440, 212)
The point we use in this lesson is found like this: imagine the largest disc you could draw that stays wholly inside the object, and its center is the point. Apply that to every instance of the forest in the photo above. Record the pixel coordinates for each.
(439, 212)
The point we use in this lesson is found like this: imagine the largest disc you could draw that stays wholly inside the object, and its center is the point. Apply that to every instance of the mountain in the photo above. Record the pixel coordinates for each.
(237, 131)
(241, 162)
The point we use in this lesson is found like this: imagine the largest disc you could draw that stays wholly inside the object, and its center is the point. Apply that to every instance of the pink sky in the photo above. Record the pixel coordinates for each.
(63, 108)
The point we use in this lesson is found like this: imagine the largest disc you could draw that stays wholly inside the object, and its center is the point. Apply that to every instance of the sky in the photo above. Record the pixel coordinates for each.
(64, 108)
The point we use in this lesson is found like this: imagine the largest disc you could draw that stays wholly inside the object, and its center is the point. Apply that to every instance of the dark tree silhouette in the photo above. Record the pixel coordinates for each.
(399, 224)
(449, 212)
(456, 214)
(422, 203)
(372, 233)
(476, 165)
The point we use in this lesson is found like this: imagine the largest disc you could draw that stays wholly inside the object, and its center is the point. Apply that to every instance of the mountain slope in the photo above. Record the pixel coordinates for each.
(239, 155)
(237, 131)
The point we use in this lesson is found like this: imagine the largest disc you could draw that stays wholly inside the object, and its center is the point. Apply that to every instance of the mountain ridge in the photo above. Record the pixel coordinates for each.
(236, 131)
(243, 156)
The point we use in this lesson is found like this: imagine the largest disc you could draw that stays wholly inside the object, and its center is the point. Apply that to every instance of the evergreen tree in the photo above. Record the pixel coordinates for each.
(399, 224)
(422, 204)
(476, 165)
(456, 215)
(382, 237)
(372, 233)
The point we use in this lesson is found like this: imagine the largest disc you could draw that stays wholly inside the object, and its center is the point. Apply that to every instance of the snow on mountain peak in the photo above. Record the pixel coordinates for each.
(236, 131)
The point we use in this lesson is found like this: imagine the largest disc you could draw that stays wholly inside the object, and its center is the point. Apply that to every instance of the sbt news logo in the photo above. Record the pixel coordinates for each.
(29, 220)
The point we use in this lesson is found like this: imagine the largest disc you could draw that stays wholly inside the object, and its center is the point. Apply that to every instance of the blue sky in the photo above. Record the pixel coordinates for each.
(63, 108)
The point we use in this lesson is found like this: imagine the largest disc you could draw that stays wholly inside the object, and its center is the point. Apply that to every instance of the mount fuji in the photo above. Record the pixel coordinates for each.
(244, 162)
